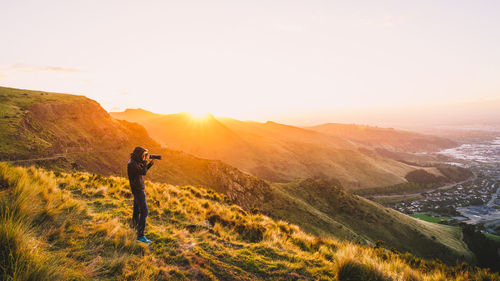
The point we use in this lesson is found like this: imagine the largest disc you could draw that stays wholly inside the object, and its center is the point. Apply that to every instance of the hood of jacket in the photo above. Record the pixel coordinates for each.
(137, 154)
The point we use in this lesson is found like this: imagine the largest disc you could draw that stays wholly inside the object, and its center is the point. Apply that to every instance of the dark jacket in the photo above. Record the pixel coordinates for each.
(136, 168)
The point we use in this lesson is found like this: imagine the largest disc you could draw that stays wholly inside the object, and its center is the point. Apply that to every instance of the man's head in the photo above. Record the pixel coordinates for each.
(139, 154)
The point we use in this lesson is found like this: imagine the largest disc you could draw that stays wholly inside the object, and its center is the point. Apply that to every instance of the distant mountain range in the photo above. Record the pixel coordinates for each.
(357, 156)
(386, 138)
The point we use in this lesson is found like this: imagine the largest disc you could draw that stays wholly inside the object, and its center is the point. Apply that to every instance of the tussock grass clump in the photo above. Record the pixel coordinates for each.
(351, 270)
(77, 227)
(19, 257)
(248, 231)
(24, 203)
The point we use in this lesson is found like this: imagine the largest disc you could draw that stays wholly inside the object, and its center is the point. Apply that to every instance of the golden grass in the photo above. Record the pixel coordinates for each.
(76, 227)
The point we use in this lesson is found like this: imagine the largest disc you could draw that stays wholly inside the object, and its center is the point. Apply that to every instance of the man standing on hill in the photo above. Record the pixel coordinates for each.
(136, 168)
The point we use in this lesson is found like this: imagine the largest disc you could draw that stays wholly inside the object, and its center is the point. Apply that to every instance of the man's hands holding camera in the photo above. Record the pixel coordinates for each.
(146, 157)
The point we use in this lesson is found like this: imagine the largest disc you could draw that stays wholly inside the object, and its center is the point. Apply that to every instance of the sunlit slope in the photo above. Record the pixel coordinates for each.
(271, 151)
(136, 114)
(386, 138)
(203, 137)
(187, 133)
(76, 227)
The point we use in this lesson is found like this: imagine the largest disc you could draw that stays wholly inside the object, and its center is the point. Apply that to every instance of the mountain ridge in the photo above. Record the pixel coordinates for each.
(273, 151)
(396, 139)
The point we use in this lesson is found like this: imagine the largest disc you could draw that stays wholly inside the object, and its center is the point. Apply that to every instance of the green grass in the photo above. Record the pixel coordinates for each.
(14, 107)
(58, 226)
(396, 199)
(426, 217)
(430, 218)
(402, 188)
(451, 174)
(492, 236)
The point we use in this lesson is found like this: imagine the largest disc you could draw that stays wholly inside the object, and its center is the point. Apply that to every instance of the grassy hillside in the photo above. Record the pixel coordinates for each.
(58, 226)
(272, 151)
(14, 107)
(325, 209)
(421, 180)
(43, 124)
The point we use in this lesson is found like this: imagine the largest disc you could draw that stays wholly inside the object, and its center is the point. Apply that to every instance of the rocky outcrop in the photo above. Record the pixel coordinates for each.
(242, 188)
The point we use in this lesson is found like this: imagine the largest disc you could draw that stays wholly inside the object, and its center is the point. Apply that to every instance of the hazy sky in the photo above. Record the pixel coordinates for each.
(255, 59)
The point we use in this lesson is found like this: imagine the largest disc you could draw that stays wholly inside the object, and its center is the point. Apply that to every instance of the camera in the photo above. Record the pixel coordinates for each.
(154, 156)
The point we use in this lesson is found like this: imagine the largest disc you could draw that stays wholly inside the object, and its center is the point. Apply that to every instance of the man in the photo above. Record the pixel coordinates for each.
(136, 168)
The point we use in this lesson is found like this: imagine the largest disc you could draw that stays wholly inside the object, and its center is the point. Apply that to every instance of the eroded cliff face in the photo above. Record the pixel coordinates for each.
(65, 127)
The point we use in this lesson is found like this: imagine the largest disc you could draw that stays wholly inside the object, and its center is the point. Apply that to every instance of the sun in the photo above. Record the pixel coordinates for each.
(199, 115)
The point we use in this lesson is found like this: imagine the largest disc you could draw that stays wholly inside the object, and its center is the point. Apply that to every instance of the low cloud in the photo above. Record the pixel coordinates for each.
(62, 69)
(25, 68)
(383, 20)
(282, 27)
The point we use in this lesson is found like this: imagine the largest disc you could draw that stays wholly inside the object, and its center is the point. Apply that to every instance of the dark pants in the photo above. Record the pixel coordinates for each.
(140, 211)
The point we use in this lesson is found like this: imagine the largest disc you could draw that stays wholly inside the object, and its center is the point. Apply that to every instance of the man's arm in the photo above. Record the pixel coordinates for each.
(149, 164)
(139, 168)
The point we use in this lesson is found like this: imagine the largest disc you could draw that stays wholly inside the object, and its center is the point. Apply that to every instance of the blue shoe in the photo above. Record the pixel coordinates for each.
(144, 239)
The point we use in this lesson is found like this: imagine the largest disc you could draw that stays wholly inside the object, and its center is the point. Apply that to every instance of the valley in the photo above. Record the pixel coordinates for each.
(474, 201)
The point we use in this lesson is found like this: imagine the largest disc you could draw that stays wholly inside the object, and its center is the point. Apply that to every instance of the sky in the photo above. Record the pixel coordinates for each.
(299, 62)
